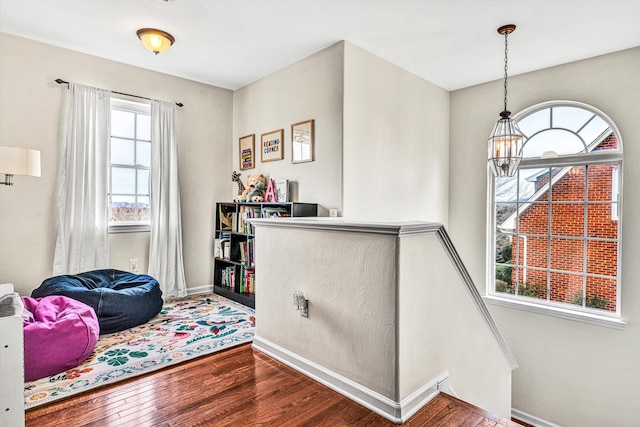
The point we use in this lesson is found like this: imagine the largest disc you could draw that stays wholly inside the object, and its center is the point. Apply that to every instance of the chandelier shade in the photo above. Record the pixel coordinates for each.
(506, 139)
(157, 41)
(505, 144)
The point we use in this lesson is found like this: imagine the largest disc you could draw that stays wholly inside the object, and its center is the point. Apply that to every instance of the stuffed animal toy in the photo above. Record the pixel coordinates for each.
(235, 177)
(257, 194)
(253, 192)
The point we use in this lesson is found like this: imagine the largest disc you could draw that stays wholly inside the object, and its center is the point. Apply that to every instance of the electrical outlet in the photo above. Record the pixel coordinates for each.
(333, 212)
(133, 265)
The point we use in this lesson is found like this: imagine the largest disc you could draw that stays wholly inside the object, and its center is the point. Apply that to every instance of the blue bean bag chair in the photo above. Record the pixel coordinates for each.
(120, 299)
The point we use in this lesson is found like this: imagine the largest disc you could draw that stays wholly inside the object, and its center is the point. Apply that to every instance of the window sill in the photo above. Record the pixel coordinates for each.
(128, 227)
(563, 313)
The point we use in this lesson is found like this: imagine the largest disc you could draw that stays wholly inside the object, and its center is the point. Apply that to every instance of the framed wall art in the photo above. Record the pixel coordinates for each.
(302, 142)
(247, 152)
(272, 146)
(282, 189)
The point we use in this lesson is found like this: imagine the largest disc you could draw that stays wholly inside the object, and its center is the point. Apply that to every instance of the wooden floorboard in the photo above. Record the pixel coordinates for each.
(237, 387)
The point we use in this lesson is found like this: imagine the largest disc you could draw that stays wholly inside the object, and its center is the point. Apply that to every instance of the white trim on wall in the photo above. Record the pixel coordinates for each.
(557, 311)
(531, 419)
(199, 290)
(397, 412)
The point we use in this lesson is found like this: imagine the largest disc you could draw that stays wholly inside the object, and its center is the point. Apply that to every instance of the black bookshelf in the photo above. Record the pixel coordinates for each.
(233, 267)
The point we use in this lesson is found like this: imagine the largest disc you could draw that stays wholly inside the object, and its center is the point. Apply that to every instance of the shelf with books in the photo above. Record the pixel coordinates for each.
(246, 212)
(233, 263)
(225, 217)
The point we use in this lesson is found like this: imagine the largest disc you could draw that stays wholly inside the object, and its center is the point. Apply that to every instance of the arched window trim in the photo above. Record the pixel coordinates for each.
(565, 103)
(576, 134)
(612, 320)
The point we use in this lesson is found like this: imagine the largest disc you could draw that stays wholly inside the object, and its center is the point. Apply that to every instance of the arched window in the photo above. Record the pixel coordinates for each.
(555, 225)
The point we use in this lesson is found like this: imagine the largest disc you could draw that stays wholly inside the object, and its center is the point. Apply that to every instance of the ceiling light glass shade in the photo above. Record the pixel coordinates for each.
(505, 144)
(157, 41)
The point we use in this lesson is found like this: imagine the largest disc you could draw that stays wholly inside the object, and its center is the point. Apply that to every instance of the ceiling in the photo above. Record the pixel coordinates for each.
(230, 43)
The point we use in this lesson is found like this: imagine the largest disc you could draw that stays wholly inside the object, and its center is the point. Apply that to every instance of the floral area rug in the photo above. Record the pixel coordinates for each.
(185, 328)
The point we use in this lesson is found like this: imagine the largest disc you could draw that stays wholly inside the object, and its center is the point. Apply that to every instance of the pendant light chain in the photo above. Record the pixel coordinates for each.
(506, 50)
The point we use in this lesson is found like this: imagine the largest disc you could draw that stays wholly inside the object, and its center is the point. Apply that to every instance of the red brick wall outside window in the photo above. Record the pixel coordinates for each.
(565, 236)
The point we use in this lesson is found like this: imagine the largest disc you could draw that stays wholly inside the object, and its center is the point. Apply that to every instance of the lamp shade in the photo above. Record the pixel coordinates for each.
(157, 41)
(505, 143)
(19, 161)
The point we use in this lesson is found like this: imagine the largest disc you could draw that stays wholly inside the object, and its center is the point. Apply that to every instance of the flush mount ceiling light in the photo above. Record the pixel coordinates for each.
(507, 139)
(157, 41)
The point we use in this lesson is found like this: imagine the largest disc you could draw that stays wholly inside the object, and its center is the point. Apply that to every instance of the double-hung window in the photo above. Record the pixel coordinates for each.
(555, 226)
(129, 166)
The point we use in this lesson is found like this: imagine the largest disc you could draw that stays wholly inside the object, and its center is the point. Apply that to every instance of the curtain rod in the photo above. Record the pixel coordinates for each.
(62, 82)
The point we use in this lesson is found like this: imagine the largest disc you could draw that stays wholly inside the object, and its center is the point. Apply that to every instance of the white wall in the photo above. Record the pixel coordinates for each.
(570, 373)
(396, 142)
(126, 246)
(378, 314)
(440, 328)
(349, 280)
(309, 89)
(29, 114)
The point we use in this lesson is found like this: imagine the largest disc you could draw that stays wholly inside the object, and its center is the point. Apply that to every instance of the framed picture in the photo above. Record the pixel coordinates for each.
(247, 146)
(282, 189)
(302, 142)
(271, 146)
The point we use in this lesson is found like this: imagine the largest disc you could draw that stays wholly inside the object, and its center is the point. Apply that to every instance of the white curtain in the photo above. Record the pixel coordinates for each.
(81, 242)
(165, 247)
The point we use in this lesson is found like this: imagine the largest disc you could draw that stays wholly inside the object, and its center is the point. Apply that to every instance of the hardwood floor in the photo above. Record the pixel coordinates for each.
(237, 387)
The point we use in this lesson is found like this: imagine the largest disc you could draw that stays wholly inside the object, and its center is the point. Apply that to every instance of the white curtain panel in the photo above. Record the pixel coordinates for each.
(81, 242)
(165, 247)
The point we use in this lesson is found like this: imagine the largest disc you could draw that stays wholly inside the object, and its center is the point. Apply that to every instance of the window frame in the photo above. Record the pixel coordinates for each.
(616, 174)
(137, 107)
(557, 309)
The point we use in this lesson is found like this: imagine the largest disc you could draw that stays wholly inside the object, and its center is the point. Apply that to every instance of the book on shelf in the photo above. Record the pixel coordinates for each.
(226, 217)
(275, 212)
(247, 280)
(228, 277)
(246, 252)
(282, 189)
(222, 246)
(217, 248)
(245, 213)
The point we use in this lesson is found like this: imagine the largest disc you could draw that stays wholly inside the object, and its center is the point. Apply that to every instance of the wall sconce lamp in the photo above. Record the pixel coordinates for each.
(301, 303)
(157, 41)
(507, 139)
(18, 161)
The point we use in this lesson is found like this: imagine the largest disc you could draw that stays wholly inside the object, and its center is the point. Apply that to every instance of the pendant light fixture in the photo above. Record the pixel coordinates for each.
(506, 140)
(157, 41)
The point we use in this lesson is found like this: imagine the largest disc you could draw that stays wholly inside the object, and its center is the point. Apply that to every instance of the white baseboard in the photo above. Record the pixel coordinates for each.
(200, 290)
(531, 419)
(416, 400)
(397, 412)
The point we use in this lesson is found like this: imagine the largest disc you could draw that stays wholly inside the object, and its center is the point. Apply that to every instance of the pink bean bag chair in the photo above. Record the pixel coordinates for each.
(59, 334)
